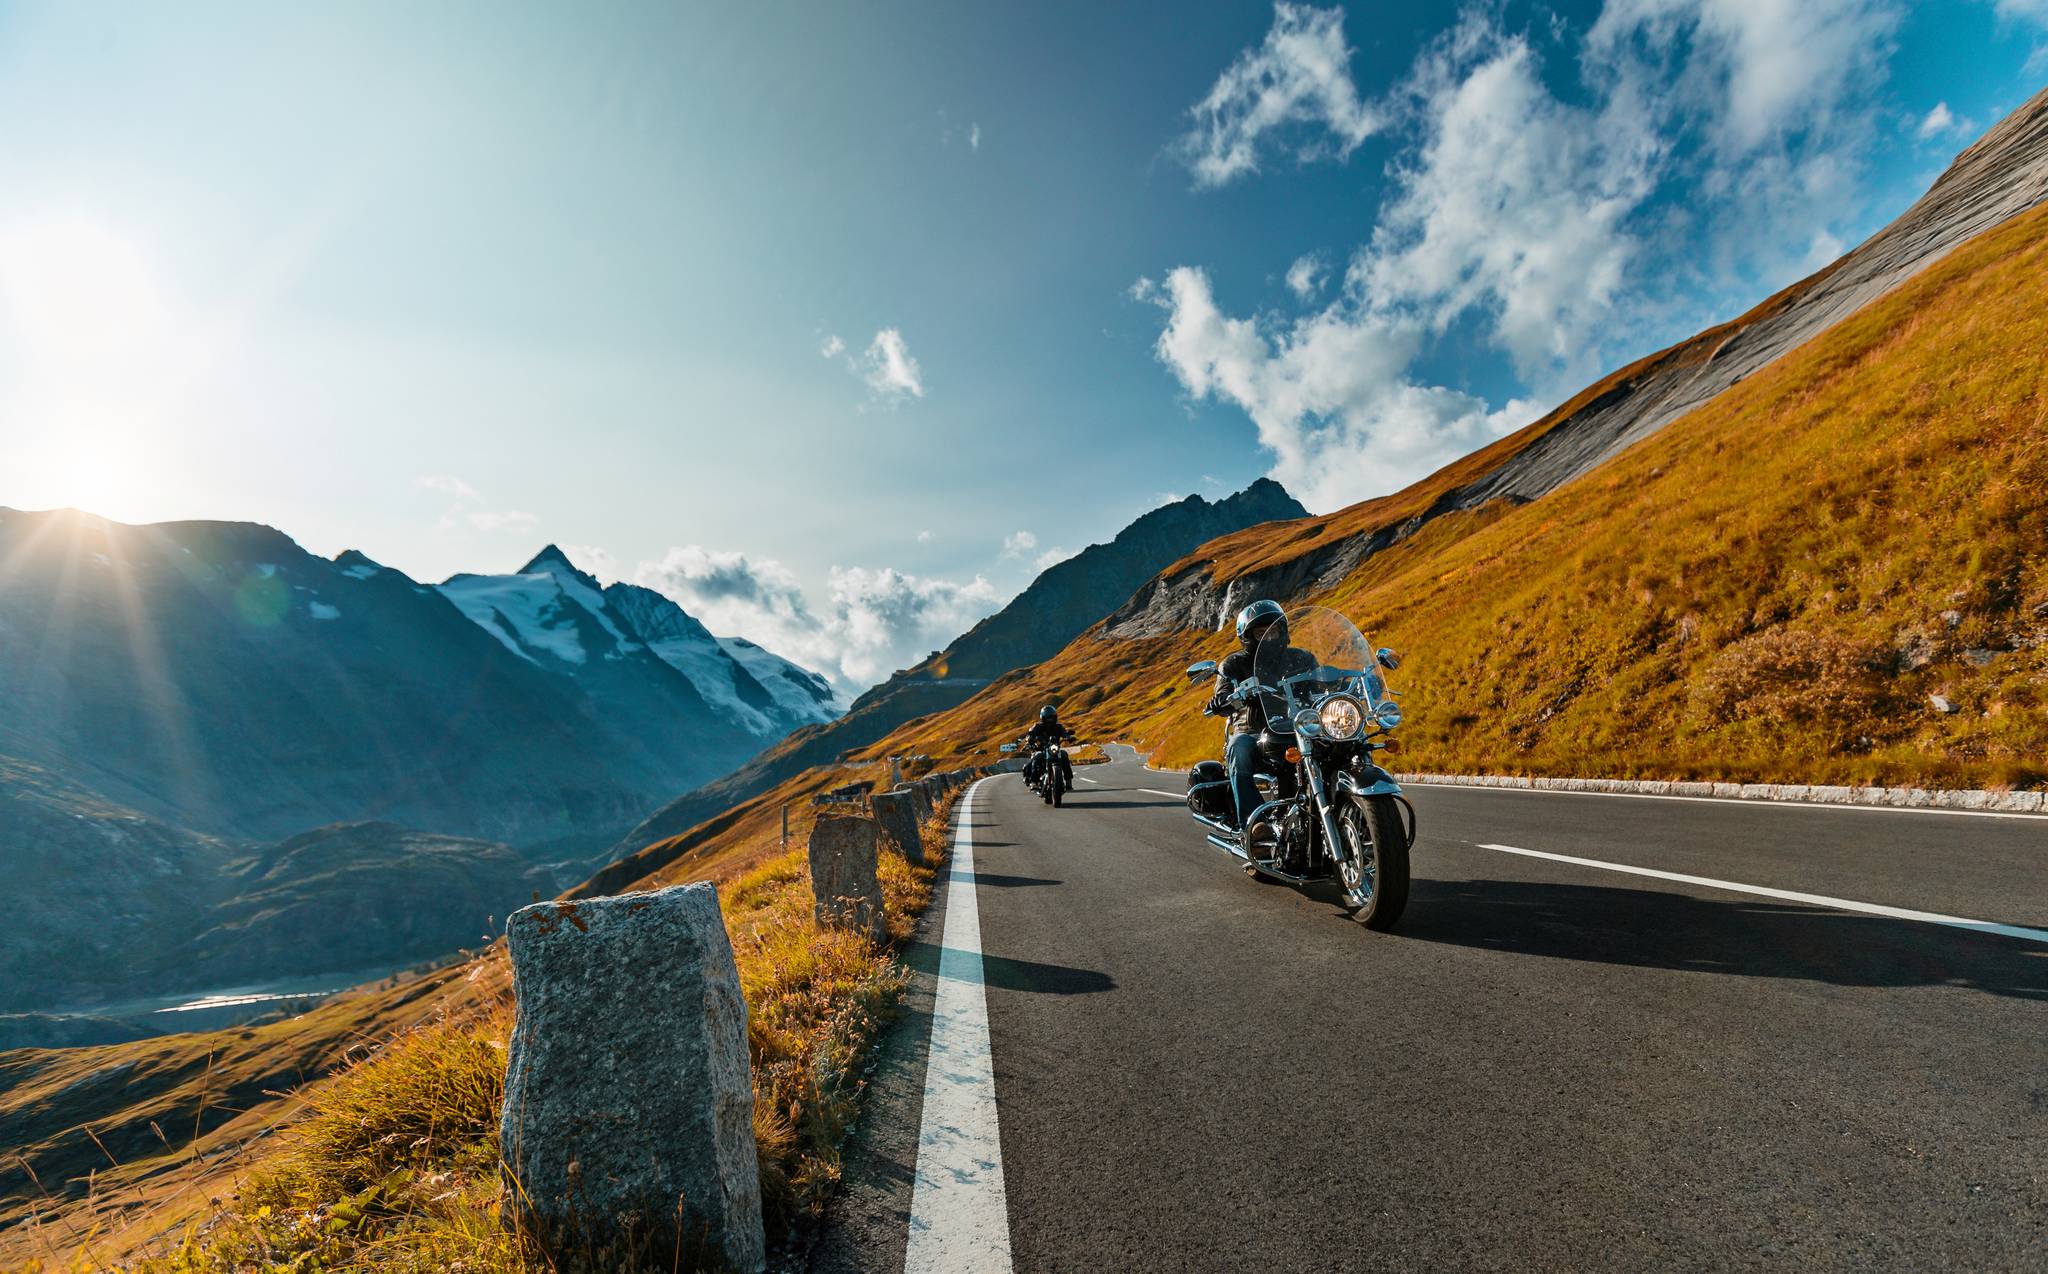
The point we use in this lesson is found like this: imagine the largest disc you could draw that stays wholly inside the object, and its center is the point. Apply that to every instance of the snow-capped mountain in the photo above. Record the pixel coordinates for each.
(554, 615)
(810, 695)
(771, 695)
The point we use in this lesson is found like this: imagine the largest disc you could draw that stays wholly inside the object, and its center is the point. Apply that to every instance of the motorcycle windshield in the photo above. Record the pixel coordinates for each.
(1320, 653)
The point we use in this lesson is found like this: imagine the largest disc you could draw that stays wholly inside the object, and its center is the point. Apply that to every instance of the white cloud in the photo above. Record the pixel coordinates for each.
(465, 507)
(889, 369)
(595, 562)
(1299, 80)
(1938, 121)
(1051, 557)
(1018, 543)
(1753, 70)
(1534, 222)
(875, 622)
(974, 137)
(1328, 393)
(1305, 276)
(924, 537)
(833, 347)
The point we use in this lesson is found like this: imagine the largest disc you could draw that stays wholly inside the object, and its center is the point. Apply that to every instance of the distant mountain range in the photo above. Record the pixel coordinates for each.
(178, 695)
(1062, 602)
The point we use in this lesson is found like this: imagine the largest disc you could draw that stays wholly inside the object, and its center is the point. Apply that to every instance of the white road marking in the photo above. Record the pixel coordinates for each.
(1818, 900)
(959, 1214)
(1156, 792)
(1085, 779)
(1738, 800)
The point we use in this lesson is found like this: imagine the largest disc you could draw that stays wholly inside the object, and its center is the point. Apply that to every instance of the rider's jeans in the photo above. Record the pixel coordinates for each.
(1241, 758)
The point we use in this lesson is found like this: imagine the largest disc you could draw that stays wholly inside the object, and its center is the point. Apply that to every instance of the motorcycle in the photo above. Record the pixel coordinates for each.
(1329, 811)
(1050, 764)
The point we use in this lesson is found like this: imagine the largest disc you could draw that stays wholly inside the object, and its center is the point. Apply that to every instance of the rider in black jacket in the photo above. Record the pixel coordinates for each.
(1261, 648)
(1047, 732)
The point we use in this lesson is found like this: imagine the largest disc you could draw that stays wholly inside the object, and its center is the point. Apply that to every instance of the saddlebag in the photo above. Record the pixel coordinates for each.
(1209, 790)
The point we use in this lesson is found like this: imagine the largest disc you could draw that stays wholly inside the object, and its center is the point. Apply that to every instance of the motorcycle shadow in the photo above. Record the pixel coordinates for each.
(1734, 936)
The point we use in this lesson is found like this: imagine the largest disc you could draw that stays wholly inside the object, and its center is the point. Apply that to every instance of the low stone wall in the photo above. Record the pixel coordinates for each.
(1805, 793)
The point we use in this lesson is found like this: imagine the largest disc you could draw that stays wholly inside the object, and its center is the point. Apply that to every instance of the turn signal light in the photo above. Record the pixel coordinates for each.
(1293, 755)
(1391, 745)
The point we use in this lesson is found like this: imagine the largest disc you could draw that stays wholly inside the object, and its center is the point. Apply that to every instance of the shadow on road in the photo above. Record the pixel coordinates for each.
(1005, 882)
(1740, 937)
(1006, 974)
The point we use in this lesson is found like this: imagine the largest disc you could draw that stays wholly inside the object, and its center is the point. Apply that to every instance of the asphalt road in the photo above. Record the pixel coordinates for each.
(1549, 1065)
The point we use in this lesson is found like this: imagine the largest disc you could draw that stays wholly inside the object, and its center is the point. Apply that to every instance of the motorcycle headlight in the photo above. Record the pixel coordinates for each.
(1341, 717)
(1388, 715)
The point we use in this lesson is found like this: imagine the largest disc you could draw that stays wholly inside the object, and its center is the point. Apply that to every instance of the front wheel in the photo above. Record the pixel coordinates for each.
(1059, 789)
(1375, 875)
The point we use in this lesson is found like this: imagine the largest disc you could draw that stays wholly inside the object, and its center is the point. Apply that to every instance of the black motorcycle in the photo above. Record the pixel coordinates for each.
(1329, 811)
(1046, 773)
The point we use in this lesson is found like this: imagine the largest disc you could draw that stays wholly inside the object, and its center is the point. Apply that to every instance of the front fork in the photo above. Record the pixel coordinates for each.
(1333, 837)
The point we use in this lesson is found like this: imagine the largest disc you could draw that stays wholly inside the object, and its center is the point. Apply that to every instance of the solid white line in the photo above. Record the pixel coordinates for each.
(1739, 800)
(1156, 792)
(1818, 900)
(959, 1215)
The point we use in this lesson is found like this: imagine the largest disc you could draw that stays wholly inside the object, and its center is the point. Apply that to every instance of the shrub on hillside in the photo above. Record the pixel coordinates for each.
(1791, 676)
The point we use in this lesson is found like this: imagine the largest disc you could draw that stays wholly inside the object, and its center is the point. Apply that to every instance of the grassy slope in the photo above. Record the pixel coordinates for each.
(322, 1173)
(1768, 589)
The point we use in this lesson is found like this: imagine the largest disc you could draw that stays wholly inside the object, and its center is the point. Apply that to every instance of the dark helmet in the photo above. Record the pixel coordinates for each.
(1256, 622)
(1048, 713)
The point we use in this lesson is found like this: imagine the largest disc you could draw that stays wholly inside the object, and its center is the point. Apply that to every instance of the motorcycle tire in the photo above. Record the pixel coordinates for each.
(1373, 828)
(1059, 791)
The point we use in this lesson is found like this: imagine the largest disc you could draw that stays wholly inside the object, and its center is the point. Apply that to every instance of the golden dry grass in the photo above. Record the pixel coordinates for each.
(393, 1162)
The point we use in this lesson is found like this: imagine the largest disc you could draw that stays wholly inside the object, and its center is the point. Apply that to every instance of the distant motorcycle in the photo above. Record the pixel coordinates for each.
(1047, 774)
(1331, 812)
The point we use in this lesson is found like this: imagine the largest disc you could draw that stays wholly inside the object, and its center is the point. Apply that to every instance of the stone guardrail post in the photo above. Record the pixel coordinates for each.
(627, 1089)
(896, 814)
(843, 879)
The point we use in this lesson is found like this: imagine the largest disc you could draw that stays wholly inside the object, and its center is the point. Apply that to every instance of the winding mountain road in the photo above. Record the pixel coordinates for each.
(1575, 1052)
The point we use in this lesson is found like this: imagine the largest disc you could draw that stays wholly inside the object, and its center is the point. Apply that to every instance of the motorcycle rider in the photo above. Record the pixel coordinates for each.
(1259, 625)
(1047, 732)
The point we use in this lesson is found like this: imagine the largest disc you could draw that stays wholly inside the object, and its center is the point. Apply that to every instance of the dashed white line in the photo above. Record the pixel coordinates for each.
(1787, 895)
(959, 1213)
(1156, 792)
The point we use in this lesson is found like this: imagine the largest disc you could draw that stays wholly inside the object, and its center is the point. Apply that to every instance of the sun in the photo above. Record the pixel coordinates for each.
(92, 352)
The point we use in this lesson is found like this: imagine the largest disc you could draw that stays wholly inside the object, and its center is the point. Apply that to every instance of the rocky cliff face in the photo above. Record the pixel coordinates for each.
(2003, 174)
(1062, 602)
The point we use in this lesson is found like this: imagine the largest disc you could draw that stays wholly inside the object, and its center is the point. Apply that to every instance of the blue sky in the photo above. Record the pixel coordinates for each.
(445, 282)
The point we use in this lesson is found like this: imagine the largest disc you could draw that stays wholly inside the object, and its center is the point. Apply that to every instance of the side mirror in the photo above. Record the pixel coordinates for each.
(1388, 659)
(1206, 668)
(1007, 747)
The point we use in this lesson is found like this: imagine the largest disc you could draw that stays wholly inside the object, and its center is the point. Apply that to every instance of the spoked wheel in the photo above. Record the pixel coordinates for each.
(1375, 875)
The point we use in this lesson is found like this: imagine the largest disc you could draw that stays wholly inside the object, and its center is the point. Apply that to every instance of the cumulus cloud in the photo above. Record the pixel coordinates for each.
(833, 347)
(1305, 276)
(1018, 543)
(1297, 82)
(467, 507)
(1327, 392)
(873, 622)
(889, 370)
(1750, 70)
(1533, 221)
(1051, 557)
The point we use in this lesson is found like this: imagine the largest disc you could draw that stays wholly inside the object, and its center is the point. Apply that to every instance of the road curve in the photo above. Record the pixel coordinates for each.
(1551, 1064)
